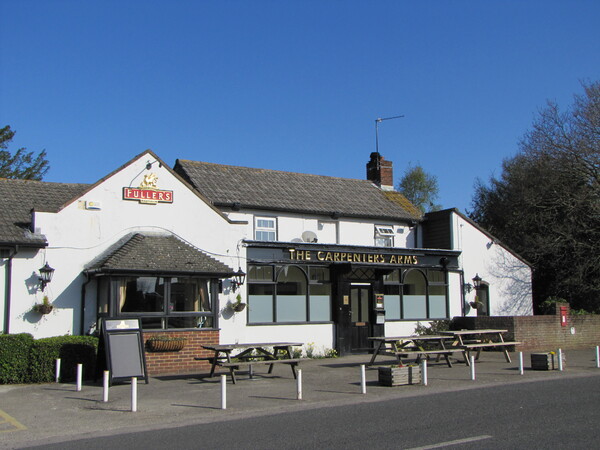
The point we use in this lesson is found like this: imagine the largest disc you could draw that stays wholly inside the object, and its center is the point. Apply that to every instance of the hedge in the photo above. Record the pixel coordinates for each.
(14, 357)
(37, 363)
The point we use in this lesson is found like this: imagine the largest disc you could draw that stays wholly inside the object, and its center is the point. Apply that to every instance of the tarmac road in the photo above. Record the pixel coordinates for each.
(560, 413)
(332, 410)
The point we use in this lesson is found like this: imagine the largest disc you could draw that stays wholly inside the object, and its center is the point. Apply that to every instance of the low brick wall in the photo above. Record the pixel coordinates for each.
(540, 333)
(181, 362)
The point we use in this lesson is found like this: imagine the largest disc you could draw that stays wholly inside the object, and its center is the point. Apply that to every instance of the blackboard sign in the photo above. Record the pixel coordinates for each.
(124, 348)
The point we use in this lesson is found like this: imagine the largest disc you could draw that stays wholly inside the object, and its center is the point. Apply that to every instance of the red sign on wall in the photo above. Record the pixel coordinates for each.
(147, 196)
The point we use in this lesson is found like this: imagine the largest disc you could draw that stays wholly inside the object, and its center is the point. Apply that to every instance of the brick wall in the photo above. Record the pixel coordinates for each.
(540, 333)
(181, 362)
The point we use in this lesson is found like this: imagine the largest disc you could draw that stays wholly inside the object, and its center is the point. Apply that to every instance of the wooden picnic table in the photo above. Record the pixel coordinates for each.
(478, 339)
(269, 353)
(420, 346)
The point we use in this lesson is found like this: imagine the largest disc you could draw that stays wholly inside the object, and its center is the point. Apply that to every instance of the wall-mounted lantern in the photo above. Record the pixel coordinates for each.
(238, 279)
(476, 281)
(45, 276)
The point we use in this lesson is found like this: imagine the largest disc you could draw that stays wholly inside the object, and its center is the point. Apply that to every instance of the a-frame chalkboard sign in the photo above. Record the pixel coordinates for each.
(124, 348)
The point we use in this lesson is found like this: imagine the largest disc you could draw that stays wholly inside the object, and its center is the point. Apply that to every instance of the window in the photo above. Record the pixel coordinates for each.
(288, 294)
(265, 228)
(384, 236)
(413, 294)
(160, 302)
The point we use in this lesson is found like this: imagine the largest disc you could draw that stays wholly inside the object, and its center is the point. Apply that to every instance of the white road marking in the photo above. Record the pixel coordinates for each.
(456, 442)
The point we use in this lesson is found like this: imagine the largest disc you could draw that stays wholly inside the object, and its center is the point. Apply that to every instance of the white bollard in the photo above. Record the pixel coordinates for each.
(560, 361)
(105, 386)
(424, 372)
(597, 357)
(223, 391)
(57, 375)
(472, 368)
(363, 380)
(521, 370)
(299, 385)
(79, 376)
(133, 394)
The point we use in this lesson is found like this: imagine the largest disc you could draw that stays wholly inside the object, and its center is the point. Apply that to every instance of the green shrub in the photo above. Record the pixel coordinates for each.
(434, 327)
(71, 350)
(550, 305)
(14, 357)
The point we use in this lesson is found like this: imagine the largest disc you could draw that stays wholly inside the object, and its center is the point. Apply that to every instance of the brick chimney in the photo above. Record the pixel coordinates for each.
(380, 172)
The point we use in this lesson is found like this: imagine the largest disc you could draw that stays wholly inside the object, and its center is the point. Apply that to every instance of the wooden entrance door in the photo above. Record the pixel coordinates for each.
(360, 307)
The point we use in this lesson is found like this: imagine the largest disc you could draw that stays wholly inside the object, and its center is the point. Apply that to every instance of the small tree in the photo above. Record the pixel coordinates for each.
(420, 188)
(23, 165)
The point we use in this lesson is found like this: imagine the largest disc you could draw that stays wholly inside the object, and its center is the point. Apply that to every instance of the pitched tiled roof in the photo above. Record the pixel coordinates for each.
(19, 197)
(226, 186)
(157, 253)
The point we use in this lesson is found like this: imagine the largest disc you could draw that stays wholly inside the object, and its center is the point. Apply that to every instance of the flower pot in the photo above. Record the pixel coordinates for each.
(173, 345)
(398, 376)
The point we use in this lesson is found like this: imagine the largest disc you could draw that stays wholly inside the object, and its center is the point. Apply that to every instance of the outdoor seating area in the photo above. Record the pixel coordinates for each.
(446, 344)
(250, 355)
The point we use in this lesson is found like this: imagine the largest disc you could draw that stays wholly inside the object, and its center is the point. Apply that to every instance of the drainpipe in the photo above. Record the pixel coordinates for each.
(82, 308)
(7, 291)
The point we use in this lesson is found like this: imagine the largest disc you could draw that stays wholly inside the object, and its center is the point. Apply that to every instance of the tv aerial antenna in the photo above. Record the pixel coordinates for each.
(377, 122)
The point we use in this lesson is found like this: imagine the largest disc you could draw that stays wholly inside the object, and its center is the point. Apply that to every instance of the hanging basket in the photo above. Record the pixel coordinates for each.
(166, 345)
(239, 307)
(43, 308)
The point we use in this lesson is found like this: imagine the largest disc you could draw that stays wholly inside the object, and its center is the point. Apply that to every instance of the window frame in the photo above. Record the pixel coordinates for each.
(260, 229)
(111, 290)
(400, 282)
(384, 233)
(276, 270)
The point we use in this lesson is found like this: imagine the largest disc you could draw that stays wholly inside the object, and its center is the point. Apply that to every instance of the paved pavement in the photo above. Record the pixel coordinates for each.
(35, 414)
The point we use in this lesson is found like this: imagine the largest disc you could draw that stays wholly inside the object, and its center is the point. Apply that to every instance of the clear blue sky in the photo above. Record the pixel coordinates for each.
(290, 85)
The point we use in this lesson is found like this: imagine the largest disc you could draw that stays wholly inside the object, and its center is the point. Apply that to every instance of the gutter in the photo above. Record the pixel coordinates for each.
(82, 309)
(8, 290)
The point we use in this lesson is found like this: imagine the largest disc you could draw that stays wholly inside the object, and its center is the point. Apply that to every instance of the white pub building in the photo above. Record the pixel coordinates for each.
(321, 260)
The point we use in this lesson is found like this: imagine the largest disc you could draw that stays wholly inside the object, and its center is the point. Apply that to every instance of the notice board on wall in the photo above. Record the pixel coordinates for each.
(124, 349)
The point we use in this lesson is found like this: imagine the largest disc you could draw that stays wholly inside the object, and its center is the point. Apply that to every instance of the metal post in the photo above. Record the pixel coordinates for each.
(57, 375)
(521, 363)
(105, 386)
(299, 385)
(133, 394)
(79, 376)
(223, 391)
(363, 381)
(597, 357)
(472, 367)
(560, 362)
(424, 372)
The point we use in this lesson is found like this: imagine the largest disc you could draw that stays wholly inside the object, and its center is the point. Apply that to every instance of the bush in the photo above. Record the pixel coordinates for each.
(14, 357)
(72, 350)
(551, 304)
(434, 327)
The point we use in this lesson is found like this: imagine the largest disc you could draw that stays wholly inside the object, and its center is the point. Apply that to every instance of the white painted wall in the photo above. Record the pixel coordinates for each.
(76, 236)
(509, 277)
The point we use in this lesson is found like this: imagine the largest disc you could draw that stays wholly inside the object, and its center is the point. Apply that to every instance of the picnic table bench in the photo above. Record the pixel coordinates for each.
(250, 355)
(420, 346)
(479, 339)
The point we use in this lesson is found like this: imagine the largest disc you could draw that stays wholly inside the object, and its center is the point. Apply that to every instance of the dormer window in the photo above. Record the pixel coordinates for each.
(265, 228)
(384, 236)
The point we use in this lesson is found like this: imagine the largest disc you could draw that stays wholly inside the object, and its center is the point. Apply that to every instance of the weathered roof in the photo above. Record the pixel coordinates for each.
(272, 190)
(19, 197)
(157, 253)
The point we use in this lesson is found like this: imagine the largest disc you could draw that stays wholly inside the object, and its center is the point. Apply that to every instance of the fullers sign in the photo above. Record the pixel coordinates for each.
(147, 193)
